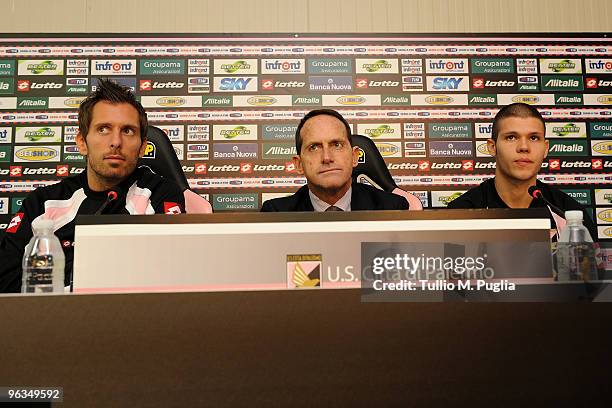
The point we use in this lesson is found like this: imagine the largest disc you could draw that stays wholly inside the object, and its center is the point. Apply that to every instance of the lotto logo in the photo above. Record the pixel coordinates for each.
(14, 224)
(290, 167)
(23, 86)
(171, 208)
(467, 165)
(591, 83)
(596, 164)
(554, 164)
(15, 171)
(200, 168)
(478, 83)
(267, 84)
(424, 165)
(246, 168)
(361, 83)
(62, 170)
(146, 85)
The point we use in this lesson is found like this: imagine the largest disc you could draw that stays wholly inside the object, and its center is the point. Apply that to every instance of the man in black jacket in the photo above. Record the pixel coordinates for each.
(519, 146)
(326, 157)
(112, 135)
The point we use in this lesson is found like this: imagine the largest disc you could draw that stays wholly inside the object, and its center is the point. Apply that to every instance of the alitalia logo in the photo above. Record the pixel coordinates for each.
(235, 67)
(562, 100)
(271, 151)
(376, 66)
(217, 101)
(32, 103)
(6, 86)
(567, 148)
(306, 100)
(554, 83)
(233, 133)
(559, 83)
(559, 148)
(490, 100)
(396, 100)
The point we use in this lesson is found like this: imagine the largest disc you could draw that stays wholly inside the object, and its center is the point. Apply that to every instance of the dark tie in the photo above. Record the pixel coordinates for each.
(333, 208)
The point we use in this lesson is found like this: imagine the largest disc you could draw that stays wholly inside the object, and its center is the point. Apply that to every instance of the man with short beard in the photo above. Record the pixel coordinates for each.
(112, 137)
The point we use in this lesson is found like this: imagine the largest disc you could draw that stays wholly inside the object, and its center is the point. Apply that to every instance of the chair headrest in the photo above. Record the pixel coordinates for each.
(160, 157)
(371, 166)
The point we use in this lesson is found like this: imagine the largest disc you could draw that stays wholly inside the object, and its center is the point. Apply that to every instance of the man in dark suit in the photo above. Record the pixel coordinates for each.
(326, 157)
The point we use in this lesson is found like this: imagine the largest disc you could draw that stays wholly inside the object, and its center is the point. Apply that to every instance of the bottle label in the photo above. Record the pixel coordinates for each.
(40, 269)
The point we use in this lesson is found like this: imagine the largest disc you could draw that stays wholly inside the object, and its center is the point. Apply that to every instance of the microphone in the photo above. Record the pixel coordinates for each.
(536, 193)
(110, 197)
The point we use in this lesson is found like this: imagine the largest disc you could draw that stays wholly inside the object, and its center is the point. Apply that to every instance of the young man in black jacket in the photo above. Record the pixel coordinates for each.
(112, 135)
(519, 146)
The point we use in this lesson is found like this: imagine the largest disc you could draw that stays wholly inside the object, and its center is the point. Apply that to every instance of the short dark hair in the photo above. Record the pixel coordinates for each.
(317, 112)
(515, 110)
(110, 91)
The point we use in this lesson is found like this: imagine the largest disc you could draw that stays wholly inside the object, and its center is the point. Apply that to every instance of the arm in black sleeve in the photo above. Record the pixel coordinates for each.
(268, 207)
(12, 247)
(402, 203)
(461, 202)
(167, 196)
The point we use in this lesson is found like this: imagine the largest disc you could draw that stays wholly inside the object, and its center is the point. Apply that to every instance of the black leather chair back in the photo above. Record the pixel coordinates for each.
(372, 169)
(160, 157)
(372, 165)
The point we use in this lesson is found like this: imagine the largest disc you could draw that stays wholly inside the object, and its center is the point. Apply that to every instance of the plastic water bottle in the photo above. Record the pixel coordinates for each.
(575, 251)
(43, 261)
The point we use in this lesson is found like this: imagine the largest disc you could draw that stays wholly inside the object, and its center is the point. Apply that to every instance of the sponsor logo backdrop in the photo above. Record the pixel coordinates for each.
(230, 107)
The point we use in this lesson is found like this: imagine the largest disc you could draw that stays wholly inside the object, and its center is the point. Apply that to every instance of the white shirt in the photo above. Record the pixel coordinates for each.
(344, 203)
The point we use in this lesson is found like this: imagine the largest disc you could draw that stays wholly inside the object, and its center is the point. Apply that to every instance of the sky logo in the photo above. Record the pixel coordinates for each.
(234, 84)
(440, 84)
(229, 84)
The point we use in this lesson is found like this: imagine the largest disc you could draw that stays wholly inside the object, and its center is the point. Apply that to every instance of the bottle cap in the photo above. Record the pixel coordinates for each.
(573, 215)
(42, 224)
